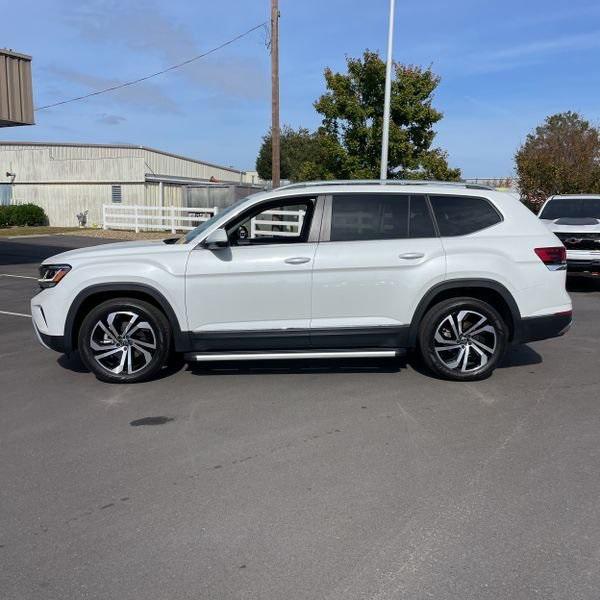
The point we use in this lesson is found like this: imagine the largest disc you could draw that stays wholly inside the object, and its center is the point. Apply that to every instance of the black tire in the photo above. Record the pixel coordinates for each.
(120, 348)
(462, 339)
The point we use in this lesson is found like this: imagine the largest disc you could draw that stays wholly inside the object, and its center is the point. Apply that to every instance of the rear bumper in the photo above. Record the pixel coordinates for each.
(541, 328)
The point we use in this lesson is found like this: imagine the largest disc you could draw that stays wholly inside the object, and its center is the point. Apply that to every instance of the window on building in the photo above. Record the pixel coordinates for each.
(460, 215)
(380, 217)
(116, 193)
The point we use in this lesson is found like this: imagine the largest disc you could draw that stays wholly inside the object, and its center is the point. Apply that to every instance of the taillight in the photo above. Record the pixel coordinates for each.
(554, 258)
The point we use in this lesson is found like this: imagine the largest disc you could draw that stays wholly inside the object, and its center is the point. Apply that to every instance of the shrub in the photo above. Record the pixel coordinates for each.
(22, 215)
(5, 216)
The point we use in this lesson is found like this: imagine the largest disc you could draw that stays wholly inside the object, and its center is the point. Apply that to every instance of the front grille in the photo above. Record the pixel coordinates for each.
(580, 241)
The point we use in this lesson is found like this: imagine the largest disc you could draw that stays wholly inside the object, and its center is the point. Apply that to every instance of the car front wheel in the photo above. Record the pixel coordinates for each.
(462, 339)
(124, 340)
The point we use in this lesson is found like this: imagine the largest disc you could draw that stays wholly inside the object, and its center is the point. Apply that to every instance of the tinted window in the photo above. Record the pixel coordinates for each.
(419, 222)
(460, 215)
(578, 208)
(379, 217)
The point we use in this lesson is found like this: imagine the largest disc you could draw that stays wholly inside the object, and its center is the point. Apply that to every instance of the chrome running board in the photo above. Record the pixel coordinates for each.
(290, 355)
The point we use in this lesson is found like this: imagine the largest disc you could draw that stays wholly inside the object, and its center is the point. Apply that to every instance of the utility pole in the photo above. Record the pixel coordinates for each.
(385, 135)
(275, 132)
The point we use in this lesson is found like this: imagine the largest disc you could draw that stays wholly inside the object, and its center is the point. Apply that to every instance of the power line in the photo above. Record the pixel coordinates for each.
(171, 68)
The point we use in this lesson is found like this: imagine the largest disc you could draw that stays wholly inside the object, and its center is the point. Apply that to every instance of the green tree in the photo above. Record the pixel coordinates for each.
(347, 145)
(352, 110)
(562, 156)
(299, 150)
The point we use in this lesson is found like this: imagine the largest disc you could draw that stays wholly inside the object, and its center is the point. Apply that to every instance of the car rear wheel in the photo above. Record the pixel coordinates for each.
(462, 339)
(124, 340)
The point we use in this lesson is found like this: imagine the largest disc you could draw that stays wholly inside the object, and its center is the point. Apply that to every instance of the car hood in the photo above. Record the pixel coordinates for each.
(108, 250)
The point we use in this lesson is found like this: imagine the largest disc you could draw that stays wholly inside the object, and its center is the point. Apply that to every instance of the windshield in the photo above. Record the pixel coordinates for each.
(190, 235)
(576, 208)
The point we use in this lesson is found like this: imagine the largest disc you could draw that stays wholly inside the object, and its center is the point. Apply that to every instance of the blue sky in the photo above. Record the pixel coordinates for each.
(505, 65)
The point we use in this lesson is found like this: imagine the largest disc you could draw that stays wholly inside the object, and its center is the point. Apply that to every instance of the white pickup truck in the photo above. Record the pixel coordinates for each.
(575, 219)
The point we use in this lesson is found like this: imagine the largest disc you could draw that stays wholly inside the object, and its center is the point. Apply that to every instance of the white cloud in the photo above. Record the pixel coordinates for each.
(144, 28)
(531, 53)
(108, 119)
(145, 95)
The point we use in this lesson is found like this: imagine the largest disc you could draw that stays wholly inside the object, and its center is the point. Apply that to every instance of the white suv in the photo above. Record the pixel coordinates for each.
(575, 219)
(319, 270)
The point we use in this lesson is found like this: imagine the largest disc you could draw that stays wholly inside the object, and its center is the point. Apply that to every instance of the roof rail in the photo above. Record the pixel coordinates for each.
(392, 182)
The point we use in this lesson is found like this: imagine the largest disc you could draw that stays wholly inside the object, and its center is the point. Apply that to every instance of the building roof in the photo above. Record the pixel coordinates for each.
(10, 52)
(123, 146)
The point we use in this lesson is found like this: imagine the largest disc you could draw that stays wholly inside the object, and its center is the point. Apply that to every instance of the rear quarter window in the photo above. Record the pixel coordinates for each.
(461, 215)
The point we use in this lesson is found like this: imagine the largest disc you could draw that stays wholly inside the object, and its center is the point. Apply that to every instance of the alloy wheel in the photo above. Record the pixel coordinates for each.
(465, 341)
(123, 342)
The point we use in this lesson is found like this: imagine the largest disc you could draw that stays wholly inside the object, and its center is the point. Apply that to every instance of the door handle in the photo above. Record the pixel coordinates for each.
(411, 255)
(297, 260)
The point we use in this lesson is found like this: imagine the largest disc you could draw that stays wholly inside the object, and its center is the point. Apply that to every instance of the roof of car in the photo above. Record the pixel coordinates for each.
(579, 196)
(385, 183)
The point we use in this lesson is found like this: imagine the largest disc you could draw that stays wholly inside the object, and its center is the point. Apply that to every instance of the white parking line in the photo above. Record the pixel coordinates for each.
(17, 276)
(14, 314)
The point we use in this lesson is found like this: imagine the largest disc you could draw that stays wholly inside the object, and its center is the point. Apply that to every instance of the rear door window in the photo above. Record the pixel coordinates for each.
(461, 215)
(380, 216)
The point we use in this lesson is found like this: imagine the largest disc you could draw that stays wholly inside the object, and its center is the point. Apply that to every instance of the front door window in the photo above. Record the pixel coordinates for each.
(273, 223)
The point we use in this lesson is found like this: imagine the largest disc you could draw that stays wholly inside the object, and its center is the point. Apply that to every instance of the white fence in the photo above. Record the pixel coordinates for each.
(138, 218)
(284, 223)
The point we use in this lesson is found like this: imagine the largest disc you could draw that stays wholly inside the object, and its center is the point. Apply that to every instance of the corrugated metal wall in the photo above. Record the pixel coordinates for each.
(211, 196)
(16, 95)
(34, 164)
(73, 163)
(62, 202)
(67, 179)
(172, 195)
(162, 164)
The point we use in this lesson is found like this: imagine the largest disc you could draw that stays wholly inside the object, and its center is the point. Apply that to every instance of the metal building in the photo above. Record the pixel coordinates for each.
(16, 96)
(67, 179)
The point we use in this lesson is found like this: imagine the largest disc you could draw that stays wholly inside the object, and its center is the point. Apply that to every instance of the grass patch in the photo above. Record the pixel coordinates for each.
(110, 234)
(11, 231)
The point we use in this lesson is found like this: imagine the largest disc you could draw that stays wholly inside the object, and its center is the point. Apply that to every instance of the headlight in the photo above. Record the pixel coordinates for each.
(50, 275)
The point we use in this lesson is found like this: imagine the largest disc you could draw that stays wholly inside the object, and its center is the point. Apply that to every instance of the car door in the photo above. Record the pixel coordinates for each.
(379, 253)
(255, 293)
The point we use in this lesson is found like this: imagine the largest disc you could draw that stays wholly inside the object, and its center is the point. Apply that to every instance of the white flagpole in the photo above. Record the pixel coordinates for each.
(386, 103)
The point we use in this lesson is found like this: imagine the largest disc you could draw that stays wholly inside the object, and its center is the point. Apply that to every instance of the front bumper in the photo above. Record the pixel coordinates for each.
(533, 329)
(51, 342)
(583, 265)
(583, 261)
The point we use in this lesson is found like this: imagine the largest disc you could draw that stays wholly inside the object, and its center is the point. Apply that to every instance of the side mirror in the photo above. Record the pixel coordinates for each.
(216, 240)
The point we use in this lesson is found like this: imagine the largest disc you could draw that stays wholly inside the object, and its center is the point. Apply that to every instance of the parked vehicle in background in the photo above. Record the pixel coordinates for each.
(319, 270)
(575, 219)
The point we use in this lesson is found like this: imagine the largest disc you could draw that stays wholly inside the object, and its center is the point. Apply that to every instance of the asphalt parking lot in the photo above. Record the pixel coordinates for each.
(342, 481)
